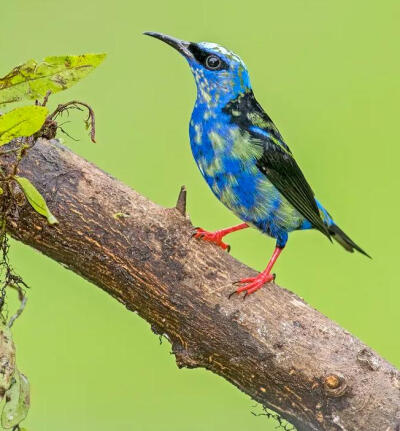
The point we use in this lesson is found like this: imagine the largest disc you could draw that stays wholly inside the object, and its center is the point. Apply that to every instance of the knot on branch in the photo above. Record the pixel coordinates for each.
(335, 385)
(184, 358)
(366, 358)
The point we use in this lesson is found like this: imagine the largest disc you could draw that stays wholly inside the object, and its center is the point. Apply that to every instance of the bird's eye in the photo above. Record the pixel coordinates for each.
(213, 62)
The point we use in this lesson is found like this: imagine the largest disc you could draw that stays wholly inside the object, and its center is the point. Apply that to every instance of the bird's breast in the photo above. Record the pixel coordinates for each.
(228, 161)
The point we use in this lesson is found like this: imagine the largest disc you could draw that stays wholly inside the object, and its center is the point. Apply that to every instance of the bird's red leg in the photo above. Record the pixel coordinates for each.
(252, 284)
(216, 237)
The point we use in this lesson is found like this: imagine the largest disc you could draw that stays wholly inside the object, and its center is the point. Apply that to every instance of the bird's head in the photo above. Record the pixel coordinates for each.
(219, 73)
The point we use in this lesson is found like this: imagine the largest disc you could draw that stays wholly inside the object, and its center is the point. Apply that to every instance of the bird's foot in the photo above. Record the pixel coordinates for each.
(252, 284)
(214, 237)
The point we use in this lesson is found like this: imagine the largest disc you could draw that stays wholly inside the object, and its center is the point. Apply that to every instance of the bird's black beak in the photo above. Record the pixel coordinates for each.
(180, 45)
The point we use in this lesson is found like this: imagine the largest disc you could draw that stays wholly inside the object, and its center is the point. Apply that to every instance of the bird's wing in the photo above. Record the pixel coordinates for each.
(279, 166)
(275, 160)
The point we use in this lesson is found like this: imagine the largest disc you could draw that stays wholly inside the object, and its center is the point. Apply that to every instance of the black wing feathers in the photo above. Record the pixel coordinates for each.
(284, 173)
(277, 162)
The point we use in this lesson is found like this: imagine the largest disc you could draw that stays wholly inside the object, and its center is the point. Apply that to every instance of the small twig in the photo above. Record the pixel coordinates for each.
(181, 202)
(19, 311)
(67, 134)
(282, 423)
(46, 98)
(9, 151)
(90, 121)
(26, 144)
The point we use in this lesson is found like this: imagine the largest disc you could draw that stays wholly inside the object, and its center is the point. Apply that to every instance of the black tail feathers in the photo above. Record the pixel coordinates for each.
(345, 241)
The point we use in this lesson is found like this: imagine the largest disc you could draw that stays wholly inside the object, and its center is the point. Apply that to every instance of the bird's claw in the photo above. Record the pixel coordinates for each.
(214, 237)
(231, 294)
(252, 284)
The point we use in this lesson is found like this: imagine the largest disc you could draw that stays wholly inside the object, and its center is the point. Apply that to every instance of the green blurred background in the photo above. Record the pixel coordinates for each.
(328, 74)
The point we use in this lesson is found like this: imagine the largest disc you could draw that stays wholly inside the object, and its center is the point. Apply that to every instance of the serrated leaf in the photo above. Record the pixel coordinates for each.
(35, 199)
(33, 79)
(17, 402)
(24, 121)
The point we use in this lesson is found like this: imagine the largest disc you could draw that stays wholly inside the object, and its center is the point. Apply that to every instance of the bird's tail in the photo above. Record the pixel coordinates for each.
(337, 234)
(344, 240)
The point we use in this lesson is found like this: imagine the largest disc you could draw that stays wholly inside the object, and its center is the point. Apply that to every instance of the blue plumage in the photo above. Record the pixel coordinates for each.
(243, 157)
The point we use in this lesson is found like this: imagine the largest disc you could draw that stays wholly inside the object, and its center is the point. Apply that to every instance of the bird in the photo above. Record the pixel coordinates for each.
(245, 160)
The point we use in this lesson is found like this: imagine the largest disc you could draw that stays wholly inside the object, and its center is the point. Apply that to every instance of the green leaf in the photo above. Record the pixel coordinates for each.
(17, 402)
(35, 199)
(33, 79)
(23, 121)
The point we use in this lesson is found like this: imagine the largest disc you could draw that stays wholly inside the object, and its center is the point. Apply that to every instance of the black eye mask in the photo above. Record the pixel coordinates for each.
(207, 59)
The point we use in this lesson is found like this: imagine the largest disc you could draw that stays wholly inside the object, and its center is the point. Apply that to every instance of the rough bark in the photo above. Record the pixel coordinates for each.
(273, 346)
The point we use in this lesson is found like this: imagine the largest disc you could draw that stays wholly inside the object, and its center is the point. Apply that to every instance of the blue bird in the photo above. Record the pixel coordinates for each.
(244, 159)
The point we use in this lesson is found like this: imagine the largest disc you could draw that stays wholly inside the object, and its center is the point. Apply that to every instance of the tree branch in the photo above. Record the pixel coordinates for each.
(273, 346)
